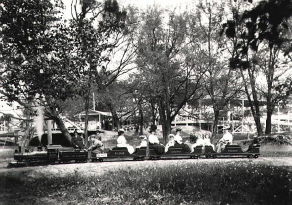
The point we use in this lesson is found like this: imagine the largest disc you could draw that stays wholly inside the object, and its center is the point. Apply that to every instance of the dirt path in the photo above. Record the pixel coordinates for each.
(91, 169)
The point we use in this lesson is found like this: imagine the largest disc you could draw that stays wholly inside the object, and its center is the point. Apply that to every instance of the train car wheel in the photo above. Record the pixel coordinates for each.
(101, 160)
(256, 156)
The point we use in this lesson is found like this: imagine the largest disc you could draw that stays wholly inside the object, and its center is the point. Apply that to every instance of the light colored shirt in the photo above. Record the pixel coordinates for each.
(153, 139)
(227, 137)
(178, 139)
(95, 143)
(121, 140)
(143, 143)
(169, 144)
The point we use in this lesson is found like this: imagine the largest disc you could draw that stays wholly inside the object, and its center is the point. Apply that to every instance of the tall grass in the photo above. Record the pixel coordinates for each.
(201, 183)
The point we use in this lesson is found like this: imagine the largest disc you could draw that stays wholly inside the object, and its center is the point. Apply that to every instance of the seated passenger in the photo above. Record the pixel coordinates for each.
(144, 141)
(199, 142)
(170, 143)
(95, 145)
(77, 141)
(254, 143)
(207, 140)
(227, 138)
(177, 137)
(154, 142)
(122, 142)
(153, 139)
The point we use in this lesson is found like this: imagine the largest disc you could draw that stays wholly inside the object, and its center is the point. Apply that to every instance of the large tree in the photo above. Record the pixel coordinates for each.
(96, 29)
(35, 61)
(48, 59)
(259, 36)
(167, 64)
(221, 82)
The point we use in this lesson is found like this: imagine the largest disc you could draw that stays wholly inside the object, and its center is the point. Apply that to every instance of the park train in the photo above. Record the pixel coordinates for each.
(56, 154)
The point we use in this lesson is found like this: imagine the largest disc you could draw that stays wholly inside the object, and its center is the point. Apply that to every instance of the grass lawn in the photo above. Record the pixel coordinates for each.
(200, 183)
(220, 182)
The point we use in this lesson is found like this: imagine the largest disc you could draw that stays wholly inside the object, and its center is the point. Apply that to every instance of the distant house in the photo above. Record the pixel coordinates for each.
(96, 119)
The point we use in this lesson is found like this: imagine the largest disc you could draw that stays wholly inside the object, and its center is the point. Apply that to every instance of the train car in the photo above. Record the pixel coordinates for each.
(115, 153)
(50, 154)
(57, 154)
(180, 151)
(233, 151)
(177, 151)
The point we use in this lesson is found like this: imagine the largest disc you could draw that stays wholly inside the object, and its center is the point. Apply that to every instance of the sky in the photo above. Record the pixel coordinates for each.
(141, 4)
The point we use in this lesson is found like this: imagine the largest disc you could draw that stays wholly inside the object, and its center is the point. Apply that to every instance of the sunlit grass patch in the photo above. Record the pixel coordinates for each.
(199, 183)
(272, 150)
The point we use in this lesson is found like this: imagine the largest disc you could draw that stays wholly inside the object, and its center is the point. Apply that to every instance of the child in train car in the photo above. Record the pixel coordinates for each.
(226, 139)
(143, 142)
(122, 142)
(200, 140)
(171, 142)
(177, 137)
(207, 140)
(154, 142)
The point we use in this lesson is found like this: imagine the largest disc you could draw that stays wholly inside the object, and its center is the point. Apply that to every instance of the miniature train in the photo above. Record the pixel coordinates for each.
(57, 154)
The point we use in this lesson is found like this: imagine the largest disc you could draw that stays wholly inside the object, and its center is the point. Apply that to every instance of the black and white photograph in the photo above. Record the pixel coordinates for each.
(154, 102)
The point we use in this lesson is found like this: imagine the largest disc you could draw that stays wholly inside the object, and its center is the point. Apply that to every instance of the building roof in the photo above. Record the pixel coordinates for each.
(94, 113)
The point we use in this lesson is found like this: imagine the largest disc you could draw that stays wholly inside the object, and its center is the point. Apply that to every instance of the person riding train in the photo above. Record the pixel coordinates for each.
(95, 145)
(77, 141)
(122, 142)
(144, 141)
(153, 140)
(177, 137)
(226, 139)
(170, 143)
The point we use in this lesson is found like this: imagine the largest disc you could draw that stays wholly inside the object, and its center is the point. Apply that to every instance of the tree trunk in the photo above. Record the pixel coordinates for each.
(270, 110)
(215, 123)
(153, 113)
(165, 122)
(86, 118)
(116, 120)
(141, 121)
(53, 114)
(62, 127)
(254, 105)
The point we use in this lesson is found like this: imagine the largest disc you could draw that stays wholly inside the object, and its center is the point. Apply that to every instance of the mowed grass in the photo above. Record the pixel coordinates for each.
(241, 182)
(218, 182)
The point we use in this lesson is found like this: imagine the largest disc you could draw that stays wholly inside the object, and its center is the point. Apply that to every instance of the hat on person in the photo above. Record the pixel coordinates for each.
(226, 127)
(121, 130)
(153, 128)
(142, 136)
(171, 136)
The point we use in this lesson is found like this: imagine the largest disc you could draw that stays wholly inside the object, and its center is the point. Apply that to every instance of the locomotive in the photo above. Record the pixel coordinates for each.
(52, 154)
